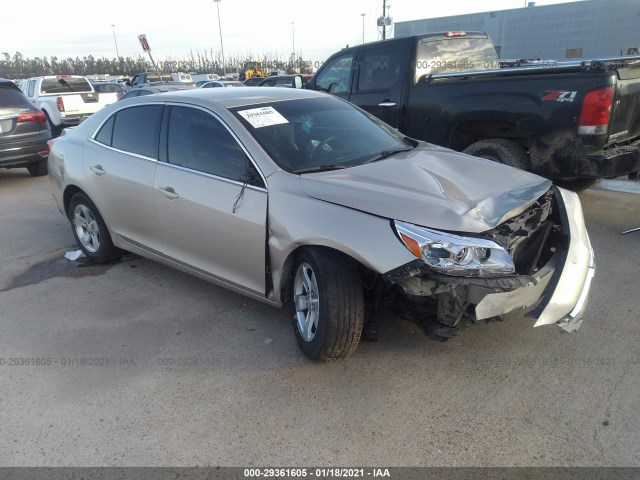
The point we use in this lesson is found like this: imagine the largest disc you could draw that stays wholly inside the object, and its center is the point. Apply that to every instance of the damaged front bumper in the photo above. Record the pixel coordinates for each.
(558, 293)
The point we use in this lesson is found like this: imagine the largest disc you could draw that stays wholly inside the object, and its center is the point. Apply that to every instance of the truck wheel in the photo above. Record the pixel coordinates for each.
(38, 169)
(90, 230)
(576, 185)
(55, 130)
(500, 150)
(328, 304)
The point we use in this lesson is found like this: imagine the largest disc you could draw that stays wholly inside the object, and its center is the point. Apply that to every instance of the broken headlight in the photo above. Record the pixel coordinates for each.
(454, 254)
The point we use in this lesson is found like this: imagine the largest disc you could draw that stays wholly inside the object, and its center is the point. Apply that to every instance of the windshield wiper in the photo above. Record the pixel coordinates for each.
(320, 168)
(387, 153)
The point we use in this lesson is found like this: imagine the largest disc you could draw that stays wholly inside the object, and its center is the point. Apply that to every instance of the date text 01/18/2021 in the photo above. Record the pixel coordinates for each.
(316, 472)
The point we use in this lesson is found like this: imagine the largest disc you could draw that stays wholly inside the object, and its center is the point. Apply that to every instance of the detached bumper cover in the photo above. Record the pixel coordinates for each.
(561, 288)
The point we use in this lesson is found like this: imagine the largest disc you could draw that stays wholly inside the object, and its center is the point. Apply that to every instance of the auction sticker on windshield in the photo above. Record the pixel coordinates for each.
(263, 117)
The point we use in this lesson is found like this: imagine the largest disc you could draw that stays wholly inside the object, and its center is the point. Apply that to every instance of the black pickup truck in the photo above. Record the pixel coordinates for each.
(571, 122)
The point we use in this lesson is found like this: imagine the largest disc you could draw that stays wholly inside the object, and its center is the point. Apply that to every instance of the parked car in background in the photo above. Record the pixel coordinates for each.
(253, 81)
(66, 100)
(144, 78)
(571, 122)
(24, 132)
(283, 81)
(110, 92)
(296, 197)
(183, 78)
(155, 88)
(204, 77)
(223, 83)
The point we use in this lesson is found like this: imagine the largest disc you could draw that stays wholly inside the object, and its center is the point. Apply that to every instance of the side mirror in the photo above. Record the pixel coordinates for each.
(297, 81)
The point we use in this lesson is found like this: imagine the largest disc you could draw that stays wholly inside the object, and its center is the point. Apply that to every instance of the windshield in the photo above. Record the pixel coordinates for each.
(64, 85)
(318, 134)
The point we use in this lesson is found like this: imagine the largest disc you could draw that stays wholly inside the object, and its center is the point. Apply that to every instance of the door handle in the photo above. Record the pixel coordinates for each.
(97, 169)
(387, 103)
(169, 192)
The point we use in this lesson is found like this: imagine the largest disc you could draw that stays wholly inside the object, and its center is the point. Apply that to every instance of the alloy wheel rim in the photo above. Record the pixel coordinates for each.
(307, 302)
(86, 228)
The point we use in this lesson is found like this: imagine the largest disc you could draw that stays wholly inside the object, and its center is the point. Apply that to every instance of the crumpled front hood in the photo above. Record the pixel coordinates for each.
(433, 187)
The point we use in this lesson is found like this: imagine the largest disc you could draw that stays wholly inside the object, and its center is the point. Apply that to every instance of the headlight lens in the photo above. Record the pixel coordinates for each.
(454, 254)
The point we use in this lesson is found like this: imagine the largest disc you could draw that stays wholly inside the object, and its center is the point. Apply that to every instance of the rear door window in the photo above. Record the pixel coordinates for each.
(136, 130)
(64, 84)
(380, 68)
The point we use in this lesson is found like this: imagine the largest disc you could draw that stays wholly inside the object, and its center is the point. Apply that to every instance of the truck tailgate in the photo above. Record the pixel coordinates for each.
(80, 103)
(625, 118)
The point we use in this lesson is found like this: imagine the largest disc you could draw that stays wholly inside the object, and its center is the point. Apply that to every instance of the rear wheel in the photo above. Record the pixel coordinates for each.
(500, 150)
(38, 169)
(90, 230)
(328, 304)
(55, 130)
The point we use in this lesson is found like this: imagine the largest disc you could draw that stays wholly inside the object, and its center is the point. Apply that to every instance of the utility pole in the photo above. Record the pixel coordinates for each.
(224, 65)
(293, 53)
(113, 27)
(363, 15)
(384, 19)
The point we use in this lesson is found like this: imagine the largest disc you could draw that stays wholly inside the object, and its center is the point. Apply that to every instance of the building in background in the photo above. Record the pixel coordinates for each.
(577, 30)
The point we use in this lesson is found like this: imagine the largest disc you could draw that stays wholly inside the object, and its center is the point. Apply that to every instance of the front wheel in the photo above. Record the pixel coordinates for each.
(90, 230)
(328, 304)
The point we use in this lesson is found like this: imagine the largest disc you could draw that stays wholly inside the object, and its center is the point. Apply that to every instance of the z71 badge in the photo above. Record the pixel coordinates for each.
(559, 96)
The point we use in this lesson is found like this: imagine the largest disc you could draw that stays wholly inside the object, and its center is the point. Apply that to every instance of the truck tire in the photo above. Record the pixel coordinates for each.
(500, 150)
(39, 169)
(328, 304)
(55, 130)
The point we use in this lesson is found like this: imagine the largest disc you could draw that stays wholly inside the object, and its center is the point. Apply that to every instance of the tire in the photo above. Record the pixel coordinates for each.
(500, 150)
(578, 184)
(55, 130)
(328, 304)
(87, 221)
(39, 169)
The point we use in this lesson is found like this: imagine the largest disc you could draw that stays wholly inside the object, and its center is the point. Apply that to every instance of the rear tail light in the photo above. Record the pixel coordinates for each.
(596, 112)
(35, 117)
(44, 153)
(60, 104)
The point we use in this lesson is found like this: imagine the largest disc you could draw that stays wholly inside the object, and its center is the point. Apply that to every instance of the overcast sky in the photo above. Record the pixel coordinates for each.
(173, 27)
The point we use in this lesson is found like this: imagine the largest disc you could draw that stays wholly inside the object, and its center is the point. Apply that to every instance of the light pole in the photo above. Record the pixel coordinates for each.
(113, 27)
(293, 52)
(363, 15)
(224, 66)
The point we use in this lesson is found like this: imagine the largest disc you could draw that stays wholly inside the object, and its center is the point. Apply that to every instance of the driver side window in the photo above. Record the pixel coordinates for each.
(335, 76)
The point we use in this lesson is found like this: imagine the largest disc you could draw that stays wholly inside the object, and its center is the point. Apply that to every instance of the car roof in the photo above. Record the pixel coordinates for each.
(240, 96)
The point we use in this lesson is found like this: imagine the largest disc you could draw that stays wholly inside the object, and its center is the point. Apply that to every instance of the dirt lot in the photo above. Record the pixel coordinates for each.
(133, 363)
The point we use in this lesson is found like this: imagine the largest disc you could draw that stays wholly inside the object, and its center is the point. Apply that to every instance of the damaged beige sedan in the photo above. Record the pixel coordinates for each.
(300, 199)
